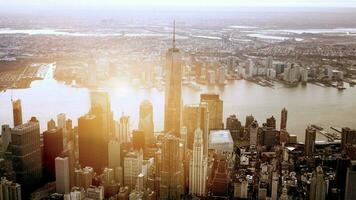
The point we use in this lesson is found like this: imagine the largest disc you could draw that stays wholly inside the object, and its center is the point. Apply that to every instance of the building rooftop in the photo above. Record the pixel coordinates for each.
(220, 136)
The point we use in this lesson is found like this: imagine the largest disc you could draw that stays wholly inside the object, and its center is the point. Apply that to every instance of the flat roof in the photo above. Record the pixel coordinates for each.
(220, 136)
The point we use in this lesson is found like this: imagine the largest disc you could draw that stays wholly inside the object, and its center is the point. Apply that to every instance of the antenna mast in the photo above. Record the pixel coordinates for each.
(174, 34)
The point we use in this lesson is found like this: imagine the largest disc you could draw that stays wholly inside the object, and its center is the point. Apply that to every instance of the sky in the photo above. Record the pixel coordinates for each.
(180, 3)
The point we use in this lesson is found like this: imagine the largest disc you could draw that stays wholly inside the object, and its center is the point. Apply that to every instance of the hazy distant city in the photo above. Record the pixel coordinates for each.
(177, 103)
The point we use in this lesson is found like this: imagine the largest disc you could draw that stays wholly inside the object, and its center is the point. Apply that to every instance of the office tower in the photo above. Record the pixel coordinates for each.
(172, 180)
(9, 190)
(138, 139)
(219, 183)
(271, 122)
(215, 109)
(146, 121)
(107, 177)
(26, 154)
(5, 137)
(284, 115)
(318, 187)
(249, 120)
(69, 130)
(51, 124)
(310, 134)
(17, 112)
(124, 129)
(132, 168)
(91, 142)
(61, 124)
(84, 177)
(233, 124)
(198, 166)
(350, 192)
(253, 133)
(101, 108)
(95, 193)
(62, 175)
(274, 190)
(241, 189)
(114, 154)
(194, 117)
(52, 148)
(173, 96)
(269, 137)
(348, 137)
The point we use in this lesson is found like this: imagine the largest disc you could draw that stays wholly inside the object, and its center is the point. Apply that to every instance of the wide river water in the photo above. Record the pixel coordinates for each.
(309, 104)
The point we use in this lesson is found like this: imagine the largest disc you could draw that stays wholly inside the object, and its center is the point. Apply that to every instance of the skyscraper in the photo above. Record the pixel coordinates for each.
(62, 175)
(198, 166)
(52, 148)
(215, 109)
(132, 168)
(9, 190)
(310, 135)
(271, 122)
(284, 115)
(253, 133)
(173, 96)
(17, 112)
(26, 155)
(92, 141)
(318, 187)
(172, 174)
(194, 117)
(123, 128)
(146, 121)
(51, 124)
(101, 108)
(348, 136)
(350, 192)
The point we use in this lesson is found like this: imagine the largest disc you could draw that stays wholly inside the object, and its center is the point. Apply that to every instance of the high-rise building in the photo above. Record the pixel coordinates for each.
(348, 136)
(114, 154)
(101, 108)
(249, 120)
(173, 96)
(310, 135)
(132, 168)
(253, 133)
(172, 174)
(51, 124)
(146, 121)
(95, 193)
(350, 192)
(5, 137)
(91, 142)
(198, 166)
(138, 139)
(274, 190)
(284, 115)
(234, 125)
(318, 186)
(61, 124)
(9, 190)
(52, 148)
(26, 155)
(84, 177)
(123, 127)
(62, 175)
(17, 112)
(271, 122)
(215, 109)
(194, 117)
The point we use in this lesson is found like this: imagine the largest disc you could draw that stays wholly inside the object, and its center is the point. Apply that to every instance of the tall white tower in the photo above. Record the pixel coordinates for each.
(198, 166)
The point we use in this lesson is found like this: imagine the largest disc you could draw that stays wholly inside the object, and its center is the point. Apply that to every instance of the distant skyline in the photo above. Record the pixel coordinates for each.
(180, 3)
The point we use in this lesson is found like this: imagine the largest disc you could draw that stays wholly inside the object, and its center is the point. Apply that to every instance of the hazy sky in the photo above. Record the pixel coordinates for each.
(183, 3)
